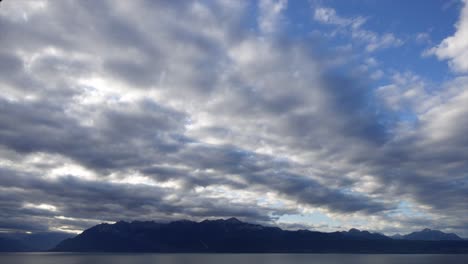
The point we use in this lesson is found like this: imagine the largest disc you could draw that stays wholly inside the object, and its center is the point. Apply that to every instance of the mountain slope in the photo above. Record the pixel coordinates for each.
(431, 235)
(11, 245)
(358, 234)
(233, 235)
(41, 241)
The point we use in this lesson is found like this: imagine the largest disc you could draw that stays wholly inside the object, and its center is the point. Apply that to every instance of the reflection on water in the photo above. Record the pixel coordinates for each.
(73, 258)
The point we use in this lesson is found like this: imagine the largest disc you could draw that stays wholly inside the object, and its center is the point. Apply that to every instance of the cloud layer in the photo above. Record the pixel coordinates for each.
(168, 110)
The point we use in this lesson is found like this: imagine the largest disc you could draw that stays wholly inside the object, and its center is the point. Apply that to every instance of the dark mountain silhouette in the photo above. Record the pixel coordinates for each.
(429, 235)
(233, 236)
(41, 241)
(357, 234)
(11, 245)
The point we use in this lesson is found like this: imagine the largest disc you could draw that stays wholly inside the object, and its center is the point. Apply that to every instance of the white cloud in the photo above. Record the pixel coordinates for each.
(270, 14)
(423, 38)
(407, 92)
(328, 15)
(455, 48)
(21, 12)
(378, 41)
(353, 26)
(47, 207)
(376, 75)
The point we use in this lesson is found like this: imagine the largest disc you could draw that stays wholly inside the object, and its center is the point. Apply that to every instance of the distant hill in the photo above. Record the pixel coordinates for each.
(21, 242)
(233, 236)
(357, 234)
(429, 235)
(11, 245)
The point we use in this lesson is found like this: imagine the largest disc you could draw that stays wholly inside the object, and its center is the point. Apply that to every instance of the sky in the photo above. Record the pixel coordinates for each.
(325, 115)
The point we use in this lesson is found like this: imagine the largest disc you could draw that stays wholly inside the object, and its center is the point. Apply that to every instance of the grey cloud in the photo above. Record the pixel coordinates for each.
(10, 64)
(268, 174)
(114, 142)
(82, 199)
(281, 119)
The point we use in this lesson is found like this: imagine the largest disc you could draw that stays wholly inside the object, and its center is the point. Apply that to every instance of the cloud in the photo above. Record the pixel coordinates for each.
(142, 115)
(353, 26)
(328, 15)
(424, 160)
(455, 48)
(270, 14)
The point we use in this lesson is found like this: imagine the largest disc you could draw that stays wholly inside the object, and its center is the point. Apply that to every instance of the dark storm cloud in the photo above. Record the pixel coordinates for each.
(203, 110)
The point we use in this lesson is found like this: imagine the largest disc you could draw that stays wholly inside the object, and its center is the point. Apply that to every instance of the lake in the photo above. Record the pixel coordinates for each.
(89, 258)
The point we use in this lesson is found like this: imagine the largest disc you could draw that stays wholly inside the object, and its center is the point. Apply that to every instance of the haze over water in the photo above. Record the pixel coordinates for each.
(73, 258)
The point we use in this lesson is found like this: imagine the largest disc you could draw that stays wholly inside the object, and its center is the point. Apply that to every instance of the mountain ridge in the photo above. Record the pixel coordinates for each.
(22, 242)
(428, 235)
(234, 236)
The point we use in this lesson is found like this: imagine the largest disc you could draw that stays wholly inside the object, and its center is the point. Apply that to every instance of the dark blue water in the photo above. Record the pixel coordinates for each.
(73, 258)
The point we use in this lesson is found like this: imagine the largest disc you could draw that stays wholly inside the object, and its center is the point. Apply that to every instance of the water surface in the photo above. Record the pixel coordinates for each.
(87, 258)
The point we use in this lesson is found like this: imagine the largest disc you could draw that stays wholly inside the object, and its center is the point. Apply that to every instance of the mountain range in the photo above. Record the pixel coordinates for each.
(22, 242)
(429, 235)
(232, 235)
